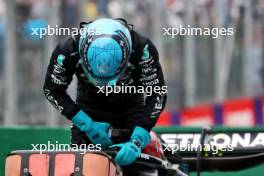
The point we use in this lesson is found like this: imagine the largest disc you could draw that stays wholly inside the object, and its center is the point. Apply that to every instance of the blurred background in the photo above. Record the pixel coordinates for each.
(210, 81)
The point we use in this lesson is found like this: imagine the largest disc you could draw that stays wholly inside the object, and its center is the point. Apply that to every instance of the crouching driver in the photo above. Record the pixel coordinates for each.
(114, 56)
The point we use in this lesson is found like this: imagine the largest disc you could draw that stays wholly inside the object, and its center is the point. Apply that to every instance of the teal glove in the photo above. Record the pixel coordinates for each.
(141, 135)
(97, 132)
(103, 126)
(128, 153)
(131, 150)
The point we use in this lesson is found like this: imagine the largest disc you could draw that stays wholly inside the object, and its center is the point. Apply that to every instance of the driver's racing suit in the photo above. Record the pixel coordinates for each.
(121, 110)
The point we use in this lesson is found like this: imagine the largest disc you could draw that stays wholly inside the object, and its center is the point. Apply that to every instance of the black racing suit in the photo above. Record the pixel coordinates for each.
(121, 110)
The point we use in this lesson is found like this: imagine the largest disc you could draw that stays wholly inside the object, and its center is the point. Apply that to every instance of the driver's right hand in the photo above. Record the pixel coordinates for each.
(97, 132)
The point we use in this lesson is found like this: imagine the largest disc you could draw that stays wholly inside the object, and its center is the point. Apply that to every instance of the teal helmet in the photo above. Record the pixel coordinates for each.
(105, 48)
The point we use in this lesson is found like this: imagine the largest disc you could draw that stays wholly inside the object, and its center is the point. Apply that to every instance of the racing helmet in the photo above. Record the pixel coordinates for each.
(105, 48)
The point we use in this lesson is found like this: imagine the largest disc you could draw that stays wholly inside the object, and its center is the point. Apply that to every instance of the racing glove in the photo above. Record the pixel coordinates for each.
(97, 132)
(131, 150)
